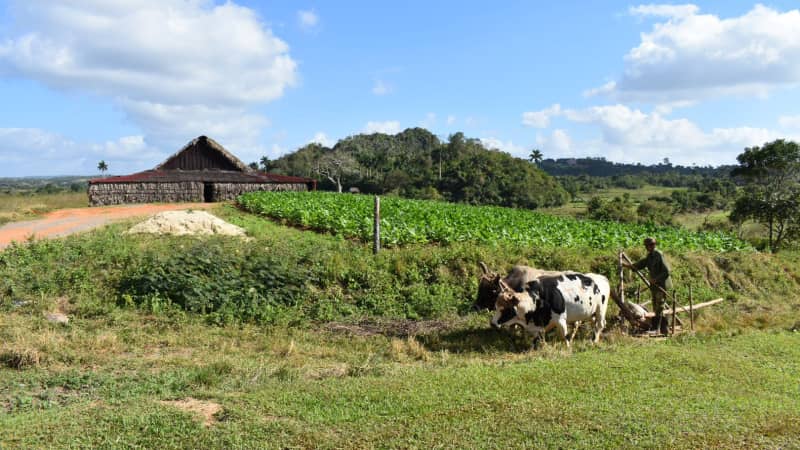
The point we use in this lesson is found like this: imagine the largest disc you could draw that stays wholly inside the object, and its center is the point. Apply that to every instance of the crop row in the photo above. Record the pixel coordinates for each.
(406, 221)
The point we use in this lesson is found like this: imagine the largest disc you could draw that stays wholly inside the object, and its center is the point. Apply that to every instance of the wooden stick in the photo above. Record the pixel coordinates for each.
(686, 308)
(691, 309)
(673, 316)
(621, 279)
(376, 243)
(646, 281)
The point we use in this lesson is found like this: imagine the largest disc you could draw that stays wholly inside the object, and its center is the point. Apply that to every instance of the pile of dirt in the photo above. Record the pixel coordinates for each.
(187, 222)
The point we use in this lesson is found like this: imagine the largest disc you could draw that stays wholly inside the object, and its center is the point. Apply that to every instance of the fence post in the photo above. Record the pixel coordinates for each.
(376, 229)
(691, 309)
(674, 305)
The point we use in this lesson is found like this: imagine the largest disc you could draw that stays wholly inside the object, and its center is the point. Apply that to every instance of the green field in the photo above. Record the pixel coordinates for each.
(419, 221)
(308, 340)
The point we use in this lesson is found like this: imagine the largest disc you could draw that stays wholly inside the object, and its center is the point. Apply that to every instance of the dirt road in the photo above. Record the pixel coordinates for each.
(68, 221)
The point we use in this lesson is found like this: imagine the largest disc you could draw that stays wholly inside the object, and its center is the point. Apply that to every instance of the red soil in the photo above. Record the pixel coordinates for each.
(68, 221)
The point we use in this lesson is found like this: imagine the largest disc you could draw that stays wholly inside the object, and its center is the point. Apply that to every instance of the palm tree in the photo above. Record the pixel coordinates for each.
(265, 162)
(535, 156)
(102, 166)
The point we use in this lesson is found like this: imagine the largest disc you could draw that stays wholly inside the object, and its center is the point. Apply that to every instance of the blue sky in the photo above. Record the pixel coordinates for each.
(131, 81)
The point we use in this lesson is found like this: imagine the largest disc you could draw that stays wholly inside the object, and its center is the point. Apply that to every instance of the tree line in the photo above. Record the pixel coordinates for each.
(764, 187)
(416, 164)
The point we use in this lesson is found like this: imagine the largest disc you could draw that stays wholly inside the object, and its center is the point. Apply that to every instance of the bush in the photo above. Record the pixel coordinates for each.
(230, 283)
(620, 209)
(655, 212)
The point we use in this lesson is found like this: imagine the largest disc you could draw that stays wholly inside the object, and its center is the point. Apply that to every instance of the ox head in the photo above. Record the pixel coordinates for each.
(488, 289)
(510, 307)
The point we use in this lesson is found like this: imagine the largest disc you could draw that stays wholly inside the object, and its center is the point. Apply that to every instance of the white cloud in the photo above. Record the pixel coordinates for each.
(429, 121)
(387, 127)
(506, 146)
(177, 68)
(540, 119)
(308, 19)
(561, 141)
(174, 125)
(322, 139)
(557, 144)
(451, 120)
(631, 135)
(791, 122)
(671, 11)
(32, 151)
(691, 56)
(602, 90)
(381, 88)
(275, 151)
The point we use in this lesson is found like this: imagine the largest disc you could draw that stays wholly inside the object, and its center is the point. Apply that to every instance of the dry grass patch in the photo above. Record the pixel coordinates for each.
(205, 410)
(389, 327)
(20, 358)
(408, 349)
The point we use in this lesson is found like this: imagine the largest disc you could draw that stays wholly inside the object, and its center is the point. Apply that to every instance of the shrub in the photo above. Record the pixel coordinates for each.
(230, 283)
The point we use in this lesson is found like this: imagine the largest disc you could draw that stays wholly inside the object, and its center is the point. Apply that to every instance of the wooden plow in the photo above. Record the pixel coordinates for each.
(640, 318)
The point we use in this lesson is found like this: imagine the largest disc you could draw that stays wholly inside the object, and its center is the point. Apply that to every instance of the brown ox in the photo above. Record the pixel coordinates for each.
(489, 284)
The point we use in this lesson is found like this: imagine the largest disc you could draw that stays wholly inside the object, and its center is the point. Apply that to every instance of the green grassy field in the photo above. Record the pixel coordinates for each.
(376, 351)
(102, 383)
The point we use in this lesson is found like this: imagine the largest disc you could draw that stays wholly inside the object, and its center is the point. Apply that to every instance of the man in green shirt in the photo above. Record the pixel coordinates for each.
(660, 281)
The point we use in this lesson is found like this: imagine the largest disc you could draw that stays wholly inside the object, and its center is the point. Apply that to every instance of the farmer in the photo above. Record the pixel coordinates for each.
(660, 282)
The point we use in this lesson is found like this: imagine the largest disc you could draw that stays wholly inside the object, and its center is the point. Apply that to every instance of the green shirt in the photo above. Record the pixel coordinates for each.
(657, 267)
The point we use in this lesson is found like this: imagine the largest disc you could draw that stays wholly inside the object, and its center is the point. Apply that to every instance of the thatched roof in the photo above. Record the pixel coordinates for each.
(203, 159)
(203, 145)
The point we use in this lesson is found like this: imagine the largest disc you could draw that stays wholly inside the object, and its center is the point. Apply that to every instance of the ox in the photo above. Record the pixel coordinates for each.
(489, 284)
(554, 302)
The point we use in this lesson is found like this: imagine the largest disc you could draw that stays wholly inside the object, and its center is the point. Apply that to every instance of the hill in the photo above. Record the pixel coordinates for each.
(416, 164)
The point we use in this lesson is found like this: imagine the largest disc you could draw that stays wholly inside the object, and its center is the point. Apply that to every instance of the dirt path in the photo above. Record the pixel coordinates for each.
(68, 221)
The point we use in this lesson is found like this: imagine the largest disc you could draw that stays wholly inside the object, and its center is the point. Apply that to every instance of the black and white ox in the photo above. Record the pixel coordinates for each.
(554, 302)
(489, 284)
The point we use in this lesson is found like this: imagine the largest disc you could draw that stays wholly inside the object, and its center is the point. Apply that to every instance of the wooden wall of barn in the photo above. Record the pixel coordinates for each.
(102, 194)
(199, 157)
(229, 191)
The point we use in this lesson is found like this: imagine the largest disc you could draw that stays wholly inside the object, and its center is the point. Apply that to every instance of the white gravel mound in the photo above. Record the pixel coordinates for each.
(187, 222)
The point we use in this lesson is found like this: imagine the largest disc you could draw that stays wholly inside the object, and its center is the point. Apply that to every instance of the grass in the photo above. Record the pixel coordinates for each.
(381, 353)
(19, 206)
(100, 382)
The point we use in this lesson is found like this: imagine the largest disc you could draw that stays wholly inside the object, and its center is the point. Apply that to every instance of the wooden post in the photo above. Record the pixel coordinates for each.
(376, 229)
(674, 306)
(691, 309)
(621, 279)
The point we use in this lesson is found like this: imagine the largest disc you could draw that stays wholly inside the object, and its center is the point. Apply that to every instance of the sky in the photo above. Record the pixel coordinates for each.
(132, 81)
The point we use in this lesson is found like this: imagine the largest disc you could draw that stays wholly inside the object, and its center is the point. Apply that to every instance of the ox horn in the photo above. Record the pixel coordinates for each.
(504, 286)
(483, 267)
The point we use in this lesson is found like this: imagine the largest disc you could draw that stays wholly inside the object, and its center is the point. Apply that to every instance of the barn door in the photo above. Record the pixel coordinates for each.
(208, 192)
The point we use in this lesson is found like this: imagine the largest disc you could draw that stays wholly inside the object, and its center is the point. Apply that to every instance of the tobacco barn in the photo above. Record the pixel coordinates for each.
(202, 171)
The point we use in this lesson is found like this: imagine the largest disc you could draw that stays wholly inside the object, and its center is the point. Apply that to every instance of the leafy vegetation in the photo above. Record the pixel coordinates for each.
(771, 194)
(415, 164)
(416, 221)
(218, 278)
(372, 378)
